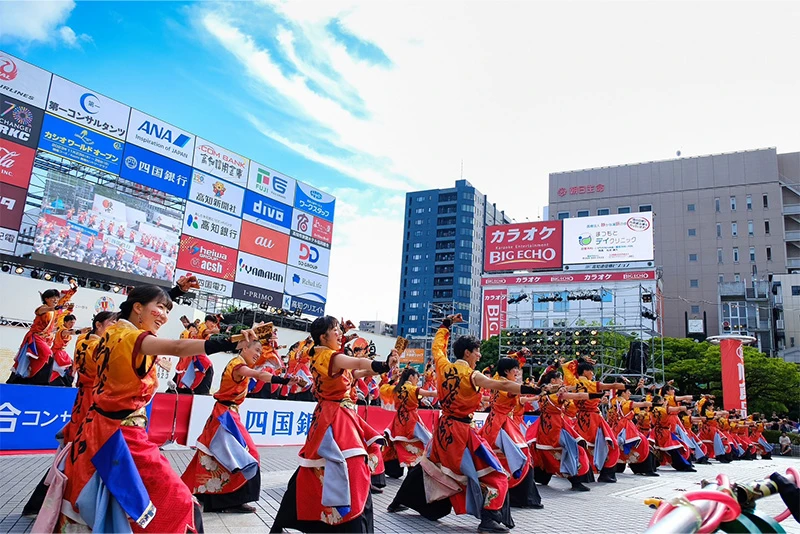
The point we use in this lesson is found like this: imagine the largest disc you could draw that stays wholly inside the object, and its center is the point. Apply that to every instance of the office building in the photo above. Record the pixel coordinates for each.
(378, 327)
(718, 220)
(443, 257)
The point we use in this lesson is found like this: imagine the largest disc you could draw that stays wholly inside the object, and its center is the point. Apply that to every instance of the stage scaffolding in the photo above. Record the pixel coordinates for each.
(600, 323)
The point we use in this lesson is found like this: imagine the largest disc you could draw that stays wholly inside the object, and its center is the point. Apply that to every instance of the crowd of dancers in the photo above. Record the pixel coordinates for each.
(109, 477)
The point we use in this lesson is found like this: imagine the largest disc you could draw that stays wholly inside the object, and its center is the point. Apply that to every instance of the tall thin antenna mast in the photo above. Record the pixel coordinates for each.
(462, 168)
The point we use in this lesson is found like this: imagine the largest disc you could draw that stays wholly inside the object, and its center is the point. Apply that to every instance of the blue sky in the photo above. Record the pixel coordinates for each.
(370, 99)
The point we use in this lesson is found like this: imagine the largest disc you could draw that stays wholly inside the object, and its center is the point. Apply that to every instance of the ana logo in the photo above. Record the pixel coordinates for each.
(131, 162)
(9, 203)
(84, 136)
(7, 158)
(219, 189)
(265, 242)
(309, 253)
(315, 194)
(192, 221)
(8, 69)
(164, 133)
(104, 304)
(90, 103)
(302, 222)
(584, 240)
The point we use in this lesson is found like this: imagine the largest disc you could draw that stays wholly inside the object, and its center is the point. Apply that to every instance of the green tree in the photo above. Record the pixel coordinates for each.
(489, 353)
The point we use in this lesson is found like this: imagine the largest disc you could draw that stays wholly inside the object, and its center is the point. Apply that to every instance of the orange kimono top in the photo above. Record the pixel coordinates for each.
(85, 359)
(232, 390)
(44, 326)
(570, 372)
(584, 385)
(458, 396)
(406, 402)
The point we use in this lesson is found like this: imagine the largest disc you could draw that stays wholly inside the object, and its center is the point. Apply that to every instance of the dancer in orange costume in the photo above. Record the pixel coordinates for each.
(224, 473)
(717, 445)
(407, 436)
(330, 491)
(634, 445)
(672, 449)
(460, 471)
(270, 361)
(504, 433)
(31, 363)
(194, 375)
(62, 373)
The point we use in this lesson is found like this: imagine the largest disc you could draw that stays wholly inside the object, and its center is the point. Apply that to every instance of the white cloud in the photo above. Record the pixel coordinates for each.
(516, 90)
(27, 22)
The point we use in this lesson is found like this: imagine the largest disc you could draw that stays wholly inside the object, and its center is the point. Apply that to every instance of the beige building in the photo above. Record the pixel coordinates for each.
(786, 289)
(718, 219)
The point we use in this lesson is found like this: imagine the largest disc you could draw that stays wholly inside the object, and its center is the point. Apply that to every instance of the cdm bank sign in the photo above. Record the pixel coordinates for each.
(582, 251)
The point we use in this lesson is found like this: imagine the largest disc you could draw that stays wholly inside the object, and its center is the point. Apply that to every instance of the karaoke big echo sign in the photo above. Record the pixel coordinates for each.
(532, 246)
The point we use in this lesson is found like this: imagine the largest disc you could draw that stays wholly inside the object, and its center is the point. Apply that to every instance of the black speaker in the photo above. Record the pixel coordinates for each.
(636, 359)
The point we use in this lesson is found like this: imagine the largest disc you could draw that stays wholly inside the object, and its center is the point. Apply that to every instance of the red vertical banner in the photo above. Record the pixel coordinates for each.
(495, 312)
(734, 392)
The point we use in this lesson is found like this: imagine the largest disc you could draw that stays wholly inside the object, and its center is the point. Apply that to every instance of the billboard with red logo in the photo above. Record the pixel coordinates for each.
(16, 164)
(529, 246)
(264, 242)
(310, 228)
(207, 258)
(495, 312)
(12, 206)
(734, 390)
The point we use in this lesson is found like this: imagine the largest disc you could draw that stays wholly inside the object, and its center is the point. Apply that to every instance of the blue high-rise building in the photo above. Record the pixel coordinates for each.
(443, 257)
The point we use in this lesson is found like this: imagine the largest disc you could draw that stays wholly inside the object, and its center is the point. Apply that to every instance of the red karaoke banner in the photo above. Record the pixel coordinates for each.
(734, 393)
(524, 246)
(495, 312)
(203, 257)
(567, 278)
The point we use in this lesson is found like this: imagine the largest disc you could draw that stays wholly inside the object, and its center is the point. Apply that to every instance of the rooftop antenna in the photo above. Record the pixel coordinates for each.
(462, 168)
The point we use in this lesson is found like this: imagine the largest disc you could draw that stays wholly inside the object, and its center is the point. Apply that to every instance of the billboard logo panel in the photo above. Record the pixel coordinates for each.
(208, 284)
(270, 183)
(160, 137)
(306, 285)
(264, 242)
(626, 237)
(220, 162)
(23, 81)
(206, 258)
(156, 171)
(216, 193)
(309, 256)
(523, 246)
(307, 307)
(256, 294)
(306, 226)
(8, 240)
(16, 164)
(211, 225)
(20, 122)
(314, 201)
(12, 206)
(266, 211)
(260, 272)
(71, 141)
(495, 312)
(88, 108)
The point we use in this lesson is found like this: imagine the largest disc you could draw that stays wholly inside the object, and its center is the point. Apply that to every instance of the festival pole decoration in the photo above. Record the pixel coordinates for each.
(734, 391)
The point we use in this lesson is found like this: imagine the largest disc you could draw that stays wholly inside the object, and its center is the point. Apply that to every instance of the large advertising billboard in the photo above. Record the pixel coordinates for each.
(96, 225)
(313, 201)
(495, 312)
(271, 183)
(67, 139)
(220, 162)
(529, 246)
(16, 164)
(609, 238)
(20, 122)
(204, 257)
(23, 81)
(211, 225)
(155, 171)
(216, 193)
(158, 136)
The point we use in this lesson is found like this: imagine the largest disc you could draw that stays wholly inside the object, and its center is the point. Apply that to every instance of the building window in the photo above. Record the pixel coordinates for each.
(415, 293)
(735, 254)
(468, 207)
(415, 280)
(419, 210)
(421, 199)
(721, 278)
(415, 269)
(752, 254)
(695, 309)
(692, 232)
(692, 257)
(734, 229)
(646, 207)
(414, 305)
(604, 211)
(737, 277)
(413, 317)
(583, 213)
(694, 282)
(720, 256)
(733, 203)
(716, 205)
(796, 291)
(749, 202)
(419, 222)
(766, 227)
(417, 245)
(416, 257)
(765, 201)
(769, 253)
(690, 207)
(750, 228)
(624, 209)
(719, 230)
(563, 215)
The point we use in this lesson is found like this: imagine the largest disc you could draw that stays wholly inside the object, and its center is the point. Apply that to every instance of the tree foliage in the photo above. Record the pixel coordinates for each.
(490, 353)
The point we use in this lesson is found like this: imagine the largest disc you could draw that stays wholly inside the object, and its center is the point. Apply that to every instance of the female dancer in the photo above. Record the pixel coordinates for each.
(194, 375)
(717, 445)
(634, 446)
(330, 491)
(62, 373)
(270, 361)
(673, 450)
(600, 439)
(554, 439)
(111, 460)
(504, 434)
(31, 363)
(460, 471)
(407, 436)
(224, 473)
